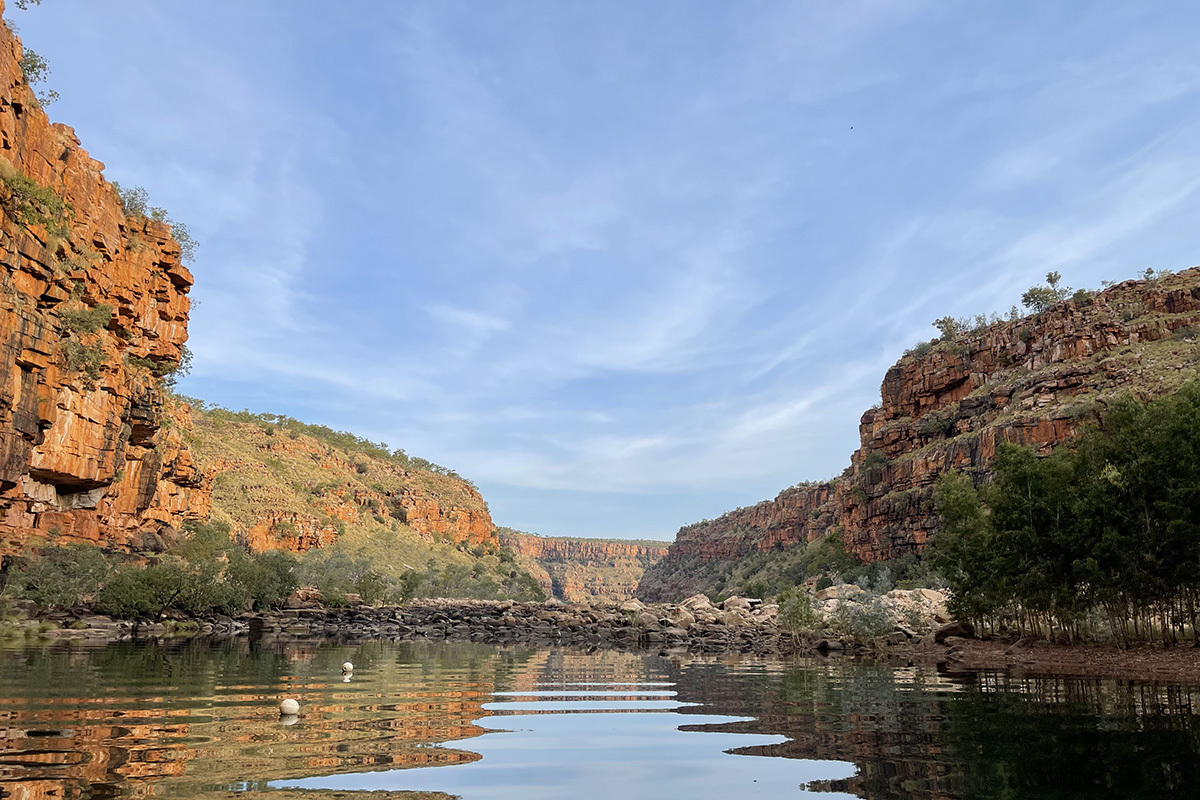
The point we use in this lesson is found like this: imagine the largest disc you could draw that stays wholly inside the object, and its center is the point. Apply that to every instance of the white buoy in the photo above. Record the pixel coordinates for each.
(289, 708)
(347, 667)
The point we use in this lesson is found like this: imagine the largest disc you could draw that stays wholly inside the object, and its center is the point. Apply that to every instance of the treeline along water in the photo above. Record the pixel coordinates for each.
(191, 720)
(1099, 540)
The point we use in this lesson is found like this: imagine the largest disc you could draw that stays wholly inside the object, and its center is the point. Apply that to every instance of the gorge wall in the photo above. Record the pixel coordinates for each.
(93, 309)
(947, 405)
(579, 570)
(90, 301)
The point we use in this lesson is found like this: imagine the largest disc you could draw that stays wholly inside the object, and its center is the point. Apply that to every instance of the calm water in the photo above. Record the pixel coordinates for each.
(196, 720)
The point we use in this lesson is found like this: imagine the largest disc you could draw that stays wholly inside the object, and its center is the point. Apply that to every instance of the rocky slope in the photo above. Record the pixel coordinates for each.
(282, 484)
(91, 302)
(1033, 381)
(579, 570)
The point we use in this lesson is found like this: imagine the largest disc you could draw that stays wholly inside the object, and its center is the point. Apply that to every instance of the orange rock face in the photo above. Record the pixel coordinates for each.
(579, 570)
(85, 455)
(1032, 381)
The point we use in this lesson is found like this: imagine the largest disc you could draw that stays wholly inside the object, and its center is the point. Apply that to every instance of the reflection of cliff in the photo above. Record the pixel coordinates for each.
(189, 720)
(219, 727)
(579, 570)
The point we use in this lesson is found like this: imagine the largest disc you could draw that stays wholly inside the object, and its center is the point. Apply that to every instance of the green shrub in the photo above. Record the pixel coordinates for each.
(144, 593)
(30, 202)
(87, 320)
(135, 202)
(940, 423)
(1041, 298)
(61, 577)
(798, 613)
(863, 620)
(36, 69)
(88, 360)
(874, 460)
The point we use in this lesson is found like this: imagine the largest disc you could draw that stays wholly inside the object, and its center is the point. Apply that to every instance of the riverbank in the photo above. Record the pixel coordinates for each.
(695, 626)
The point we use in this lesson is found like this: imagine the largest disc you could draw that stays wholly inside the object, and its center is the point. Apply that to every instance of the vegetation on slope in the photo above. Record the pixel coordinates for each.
(1101, 538)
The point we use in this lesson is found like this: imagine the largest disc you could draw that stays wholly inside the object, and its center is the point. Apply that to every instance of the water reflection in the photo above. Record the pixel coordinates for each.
(191, 720)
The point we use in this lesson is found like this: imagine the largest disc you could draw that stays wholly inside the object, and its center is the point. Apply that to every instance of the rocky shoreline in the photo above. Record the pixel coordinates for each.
(740, 625)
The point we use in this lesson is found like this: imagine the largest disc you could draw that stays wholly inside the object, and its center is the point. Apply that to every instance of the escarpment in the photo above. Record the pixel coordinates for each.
(579, 570)
(948, 405)
(93, 305)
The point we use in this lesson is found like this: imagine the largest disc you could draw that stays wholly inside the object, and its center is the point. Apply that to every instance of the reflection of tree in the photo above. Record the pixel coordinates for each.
(917, 735)
(189, 719)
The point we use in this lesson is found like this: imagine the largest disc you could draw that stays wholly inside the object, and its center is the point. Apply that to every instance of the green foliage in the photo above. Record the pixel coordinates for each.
(36, 69)
(135, 202)
(938, 423)
(919, 350)
(1100, 539)
(86, 359)
(863, 619)
(874, 460)
(87, 320)
(949, 327)
(61, 577)
(798, 613)
(29, 202)
(1041, 298)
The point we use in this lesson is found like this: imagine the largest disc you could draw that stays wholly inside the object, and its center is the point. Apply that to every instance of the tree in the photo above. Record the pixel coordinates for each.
(1041, 298)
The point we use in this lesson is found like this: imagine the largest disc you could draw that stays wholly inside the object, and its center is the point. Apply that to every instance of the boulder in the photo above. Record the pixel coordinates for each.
(696, 601)
(680, 617)
(632, 606)
(736, 603)
(964, 630)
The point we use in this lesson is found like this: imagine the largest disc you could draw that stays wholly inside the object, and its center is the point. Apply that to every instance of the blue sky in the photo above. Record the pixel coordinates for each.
(625, 264)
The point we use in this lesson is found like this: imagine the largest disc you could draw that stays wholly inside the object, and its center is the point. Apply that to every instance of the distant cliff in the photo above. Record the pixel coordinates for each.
(583, 569)
(947, 405)
(92, 303)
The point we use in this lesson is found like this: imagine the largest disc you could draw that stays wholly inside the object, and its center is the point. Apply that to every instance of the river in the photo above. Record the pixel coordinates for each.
(430, 719)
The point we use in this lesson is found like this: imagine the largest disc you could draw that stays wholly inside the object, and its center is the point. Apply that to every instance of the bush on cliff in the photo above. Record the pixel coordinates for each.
(1101, 538)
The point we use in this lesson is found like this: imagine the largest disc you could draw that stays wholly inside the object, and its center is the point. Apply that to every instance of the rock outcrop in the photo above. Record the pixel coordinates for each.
(948, 405)
(579, 570)
(92, 304)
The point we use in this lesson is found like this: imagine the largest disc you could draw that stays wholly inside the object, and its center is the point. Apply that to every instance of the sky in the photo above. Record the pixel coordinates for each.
(625, 265)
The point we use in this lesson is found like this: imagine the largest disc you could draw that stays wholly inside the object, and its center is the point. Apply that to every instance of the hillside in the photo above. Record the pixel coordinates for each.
(580, 570)
(1033, 381)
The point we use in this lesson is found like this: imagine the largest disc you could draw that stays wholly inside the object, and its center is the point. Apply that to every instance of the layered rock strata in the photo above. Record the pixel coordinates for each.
(948, 405)
(92, 303)
(578, 570)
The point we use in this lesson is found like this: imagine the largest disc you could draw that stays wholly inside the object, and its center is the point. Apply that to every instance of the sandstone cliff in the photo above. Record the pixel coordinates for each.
(93, 311)
(92, 302)
(1031, 381)
(580, 570)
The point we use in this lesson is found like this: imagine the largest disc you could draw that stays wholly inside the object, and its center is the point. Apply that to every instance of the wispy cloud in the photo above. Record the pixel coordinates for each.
(626, 251)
